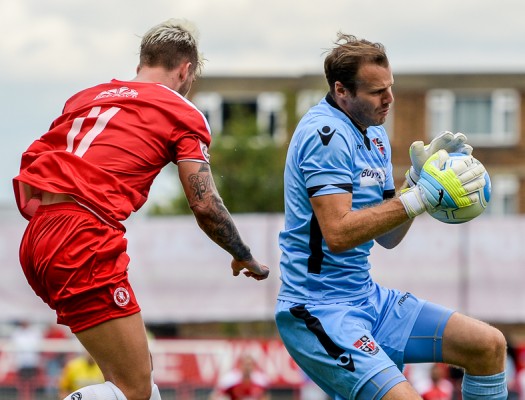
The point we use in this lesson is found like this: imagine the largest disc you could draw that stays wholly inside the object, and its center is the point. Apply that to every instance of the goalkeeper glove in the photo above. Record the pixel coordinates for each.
(420, 153)
(444, 188)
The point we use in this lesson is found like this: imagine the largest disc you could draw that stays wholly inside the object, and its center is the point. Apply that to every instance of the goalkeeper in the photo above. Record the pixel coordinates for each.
(348, 333)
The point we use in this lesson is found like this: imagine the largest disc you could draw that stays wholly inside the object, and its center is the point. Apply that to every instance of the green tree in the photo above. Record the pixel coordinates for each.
(247, 168)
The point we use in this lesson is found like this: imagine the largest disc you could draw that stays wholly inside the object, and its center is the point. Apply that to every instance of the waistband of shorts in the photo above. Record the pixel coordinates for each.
(61, 206)
(74, 206)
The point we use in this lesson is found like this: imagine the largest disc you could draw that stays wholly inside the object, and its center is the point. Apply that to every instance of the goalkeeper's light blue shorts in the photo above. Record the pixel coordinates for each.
(357, 350)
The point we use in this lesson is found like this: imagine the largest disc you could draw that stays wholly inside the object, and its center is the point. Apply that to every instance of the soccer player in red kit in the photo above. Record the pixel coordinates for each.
(95, 166)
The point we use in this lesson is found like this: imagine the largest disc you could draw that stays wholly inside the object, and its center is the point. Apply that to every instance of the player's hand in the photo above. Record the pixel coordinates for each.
(420, 153)
(253, 268)
(445, 188)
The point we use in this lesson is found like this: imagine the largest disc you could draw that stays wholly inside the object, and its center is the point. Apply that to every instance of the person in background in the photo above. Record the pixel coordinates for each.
(26, 342)
(77, 373)
(88, 173)
(54, 360)
(440, 387)
(245, 382)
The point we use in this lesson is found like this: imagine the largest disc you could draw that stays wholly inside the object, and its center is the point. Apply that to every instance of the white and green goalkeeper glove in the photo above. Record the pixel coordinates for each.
(420, 153)
(444, 188)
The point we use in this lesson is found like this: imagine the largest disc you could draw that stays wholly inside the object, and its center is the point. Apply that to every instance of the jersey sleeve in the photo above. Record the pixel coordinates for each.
(191, 138)
(325, 159)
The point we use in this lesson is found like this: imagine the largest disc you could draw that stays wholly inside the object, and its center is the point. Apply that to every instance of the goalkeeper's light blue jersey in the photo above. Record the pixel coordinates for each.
(328, 154)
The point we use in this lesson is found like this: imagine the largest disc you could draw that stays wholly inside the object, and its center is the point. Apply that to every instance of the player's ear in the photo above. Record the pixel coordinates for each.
(184, 71)
(339, 89)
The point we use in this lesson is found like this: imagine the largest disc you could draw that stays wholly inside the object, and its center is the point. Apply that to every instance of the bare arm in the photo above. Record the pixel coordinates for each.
(391, 239)
(344, 229)
(214, 219)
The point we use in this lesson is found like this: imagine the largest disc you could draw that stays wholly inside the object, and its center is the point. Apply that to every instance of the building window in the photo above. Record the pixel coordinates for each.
(504, 195)
(239, 115)
(210, 104)
(489, 118)
(265, 109)
(271, 114)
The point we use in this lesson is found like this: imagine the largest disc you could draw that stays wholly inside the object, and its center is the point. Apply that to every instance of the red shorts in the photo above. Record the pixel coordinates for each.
(78, 265)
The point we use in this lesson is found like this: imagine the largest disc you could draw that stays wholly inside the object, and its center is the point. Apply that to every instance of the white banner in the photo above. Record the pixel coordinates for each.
(179, 275)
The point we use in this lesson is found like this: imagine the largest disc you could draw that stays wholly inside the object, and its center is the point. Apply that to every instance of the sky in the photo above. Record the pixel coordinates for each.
(50, 49)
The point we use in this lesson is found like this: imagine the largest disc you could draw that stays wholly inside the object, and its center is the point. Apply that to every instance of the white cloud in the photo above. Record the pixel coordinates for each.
(62, 40)
(50, 49)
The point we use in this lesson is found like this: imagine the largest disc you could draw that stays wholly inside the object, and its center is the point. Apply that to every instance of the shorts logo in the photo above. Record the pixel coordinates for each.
(366, 345)
(121, 296)
(402, 299)
(76, 396)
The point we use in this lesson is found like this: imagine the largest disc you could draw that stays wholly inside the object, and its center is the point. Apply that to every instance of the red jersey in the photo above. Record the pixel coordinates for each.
(108, 145)
(236, 388)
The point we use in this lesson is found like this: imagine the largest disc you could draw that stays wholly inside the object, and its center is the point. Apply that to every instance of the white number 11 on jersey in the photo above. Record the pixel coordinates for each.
(76, 128)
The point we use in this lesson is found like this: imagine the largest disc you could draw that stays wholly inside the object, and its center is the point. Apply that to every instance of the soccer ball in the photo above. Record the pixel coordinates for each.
(465, 214)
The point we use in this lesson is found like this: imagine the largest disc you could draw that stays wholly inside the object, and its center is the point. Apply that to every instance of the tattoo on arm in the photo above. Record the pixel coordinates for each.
(213, 217)
(200, 185)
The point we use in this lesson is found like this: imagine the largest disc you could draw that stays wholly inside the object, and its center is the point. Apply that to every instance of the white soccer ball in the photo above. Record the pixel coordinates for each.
(465, 214)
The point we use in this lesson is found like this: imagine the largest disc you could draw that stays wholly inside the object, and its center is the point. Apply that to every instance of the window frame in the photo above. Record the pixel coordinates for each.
(441, 105)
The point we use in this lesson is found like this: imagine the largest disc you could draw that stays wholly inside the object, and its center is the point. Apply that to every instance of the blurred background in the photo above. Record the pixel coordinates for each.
(457, 66)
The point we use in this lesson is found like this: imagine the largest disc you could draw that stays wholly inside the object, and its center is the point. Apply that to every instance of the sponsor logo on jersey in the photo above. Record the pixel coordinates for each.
(372, 177)
(121, 296)
(326, 133)
(119, 92)
(366, 345)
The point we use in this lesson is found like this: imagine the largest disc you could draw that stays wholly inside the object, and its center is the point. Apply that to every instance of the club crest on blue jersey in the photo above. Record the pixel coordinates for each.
(380, 146)
(326, 134)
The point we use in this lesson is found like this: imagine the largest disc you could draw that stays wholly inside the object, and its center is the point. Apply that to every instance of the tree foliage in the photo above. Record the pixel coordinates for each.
(247, 167)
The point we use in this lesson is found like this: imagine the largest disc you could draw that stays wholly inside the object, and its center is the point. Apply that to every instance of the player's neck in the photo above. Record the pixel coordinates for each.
(157, 75)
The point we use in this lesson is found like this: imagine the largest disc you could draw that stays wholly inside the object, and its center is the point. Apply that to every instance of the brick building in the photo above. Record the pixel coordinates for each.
(489, 107)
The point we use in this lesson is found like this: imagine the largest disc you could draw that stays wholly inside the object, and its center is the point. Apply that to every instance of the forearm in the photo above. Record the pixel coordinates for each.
(358, 227)
(391, 239)
(209, 210)
(371, 223)
(215, 220)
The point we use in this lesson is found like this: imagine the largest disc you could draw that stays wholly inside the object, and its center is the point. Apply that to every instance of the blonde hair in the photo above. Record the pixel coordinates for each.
(170, 43)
